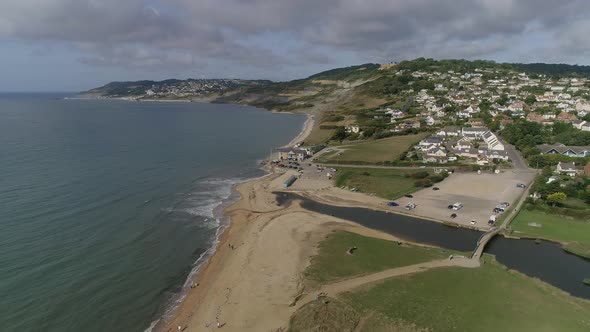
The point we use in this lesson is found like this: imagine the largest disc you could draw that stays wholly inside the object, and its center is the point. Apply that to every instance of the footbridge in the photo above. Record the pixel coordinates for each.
(483, 241)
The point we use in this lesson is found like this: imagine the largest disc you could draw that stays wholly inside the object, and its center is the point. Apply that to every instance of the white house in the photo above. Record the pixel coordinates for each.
(493, 142)
(566, 168)
(578, 124)
(353, 129)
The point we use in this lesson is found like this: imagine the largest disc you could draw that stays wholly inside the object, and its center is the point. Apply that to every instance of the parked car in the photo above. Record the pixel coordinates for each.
(450, 207)
(453, 216)
(410, 206)
(472, 222)
(409, 196)
(435, 188)
(392, 204)
(520, 185)
(457, 206)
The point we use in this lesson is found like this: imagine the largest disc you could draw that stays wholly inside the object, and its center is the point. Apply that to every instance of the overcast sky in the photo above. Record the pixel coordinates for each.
(73, 45)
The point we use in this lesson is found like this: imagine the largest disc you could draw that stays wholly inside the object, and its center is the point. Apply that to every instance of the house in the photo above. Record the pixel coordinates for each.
(566, 168)
(434, 159)
(291, 154)
(538, 118)
(578, 124)
(395, 114)
(566, 117)
(429, 121)
(468, 112)
(492, 141)
(428, 142)
(353, 129)
(473, 132)
(502, 155)
(516, 106)
(585, 126)
(571, 151)
(449, 131)
(436, 151)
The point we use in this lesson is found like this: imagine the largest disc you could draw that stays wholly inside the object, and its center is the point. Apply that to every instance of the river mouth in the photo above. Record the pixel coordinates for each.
(539, 259)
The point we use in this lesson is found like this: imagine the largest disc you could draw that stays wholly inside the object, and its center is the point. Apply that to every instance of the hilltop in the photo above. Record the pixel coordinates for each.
(420, 88)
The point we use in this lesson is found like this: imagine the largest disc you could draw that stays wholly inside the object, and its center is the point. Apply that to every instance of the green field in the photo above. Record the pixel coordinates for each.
(573, 234)
(490, 298)
(373, 255)
(319, 136)
(375, 152)
(385, 183)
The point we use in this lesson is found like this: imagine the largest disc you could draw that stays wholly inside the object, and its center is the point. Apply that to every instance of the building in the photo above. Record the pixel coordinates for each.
(291, 154)
(492, 141)
(570, 151)
(578, 124)
(353, 129)
(566, 168)
(587, 169)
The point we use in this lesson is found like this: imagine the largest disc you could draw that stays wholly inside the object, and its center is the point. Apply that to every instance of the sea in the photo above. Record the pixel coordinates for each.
(108, 207)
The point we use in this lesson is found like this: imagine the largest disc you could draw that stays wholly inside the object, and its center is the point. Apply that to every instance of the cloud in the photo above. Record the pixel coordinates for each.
(266, 35)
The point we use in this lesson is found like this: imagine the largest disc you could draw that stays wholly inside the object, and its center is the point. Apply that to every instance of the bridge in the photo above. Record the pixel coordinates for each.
(487, 236)
(483, 240)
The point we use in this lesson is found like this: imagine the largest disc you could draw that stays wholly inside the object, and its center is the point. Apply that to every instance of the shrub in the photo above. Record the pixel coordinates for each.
(420, 175)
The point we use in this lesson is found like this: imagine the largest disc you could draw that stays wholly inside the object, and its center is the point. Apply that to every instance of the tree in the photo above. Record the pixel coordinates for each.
(556, 198)
(340, 134)
(530, 99)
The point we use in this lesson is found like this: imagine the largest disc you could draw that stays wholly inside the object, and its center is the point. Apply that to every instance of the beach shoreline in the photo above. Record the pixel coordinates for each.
(212, 255)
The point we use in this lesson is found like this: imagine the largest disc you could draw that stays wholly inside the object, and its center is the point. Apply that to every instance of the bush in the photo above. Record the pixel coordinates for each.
(437, 178)
(420, 175)
(423, 183)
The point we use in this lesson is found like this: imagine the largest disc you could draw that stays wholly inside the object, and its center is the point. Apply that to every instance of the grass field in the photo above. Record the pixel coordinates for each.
(378, 151)
(319, 136)
(373, 255)
(573, 234)
(490, 298)
(385, 183)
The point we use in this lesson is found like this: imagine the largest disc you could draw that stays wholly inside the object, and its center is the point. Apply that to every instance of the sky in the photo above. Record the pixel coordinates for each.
(75, 45)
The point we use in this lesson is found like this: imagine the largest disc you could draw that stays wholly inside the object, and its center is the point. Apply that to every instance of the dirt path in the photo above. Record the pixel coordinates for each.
(349, 284)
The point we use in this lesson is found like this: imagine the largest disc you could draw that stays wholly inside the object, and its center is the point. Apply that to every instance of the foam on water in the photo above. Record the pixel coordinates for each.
(208, 201)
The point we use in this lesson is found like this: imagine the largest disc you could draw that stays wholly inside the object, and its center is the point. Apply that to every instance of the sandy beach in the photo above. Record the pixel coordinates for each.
(254, 277)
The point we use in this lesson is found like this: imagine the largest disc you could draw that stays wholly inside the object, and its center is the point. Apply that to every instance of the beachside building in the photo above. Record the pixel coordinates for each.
(291, 154)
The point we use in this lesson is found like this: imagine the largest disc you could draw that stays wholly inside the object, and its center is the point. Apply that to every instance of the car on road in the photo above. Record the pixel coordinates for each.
(520, 185)
(457, 206)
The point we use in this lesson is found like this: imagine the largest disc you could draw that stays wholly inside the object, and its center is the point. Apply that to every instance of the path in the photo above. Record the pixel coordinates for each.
(349, 284)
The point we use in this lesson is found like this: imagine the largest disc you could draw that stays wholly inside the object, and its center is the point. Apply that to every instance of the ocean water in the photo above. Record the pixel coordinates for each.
(106, 206)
